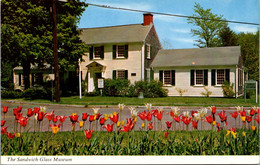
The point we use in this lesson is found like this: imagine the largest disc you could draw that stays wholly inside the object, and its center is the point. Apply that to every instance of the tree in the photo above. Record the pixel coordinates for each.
(208, 30)
(249, 43)
(228, 37)
(27, 33)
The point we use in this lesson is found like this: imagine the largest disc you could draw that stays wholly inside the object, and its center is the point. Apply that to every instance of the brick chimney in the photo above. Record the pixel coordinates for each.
(148, 19)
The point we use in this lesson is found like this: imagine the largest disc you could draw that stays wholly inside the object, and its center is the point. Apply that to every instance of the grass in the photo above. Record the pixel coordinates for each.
(163, 101)
(133, 143)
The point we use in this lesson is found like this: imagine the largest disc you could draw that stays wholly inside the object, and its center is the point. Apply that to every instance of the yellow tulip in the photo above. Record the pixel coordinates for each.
(73, 114)
(243, 133)
(135, 119)
(17, 135)
(214, 123)
(81, 123)
(233, 134)
(95, 117)
(118, 124)
(106, 117)
(228, 132)
(253, 127)
(143, 125)
(243, 118)
(122, 123)
(55, 129)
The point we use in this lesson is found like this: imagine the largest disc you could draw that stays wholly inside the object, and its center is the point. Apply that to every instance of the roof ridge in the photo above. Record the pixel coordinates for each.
(109, 26)
(201, 48)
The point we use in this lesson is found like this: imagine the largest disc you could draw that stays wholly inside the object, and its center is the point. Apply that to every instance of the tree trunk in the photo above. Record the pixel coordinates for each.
(26, 72)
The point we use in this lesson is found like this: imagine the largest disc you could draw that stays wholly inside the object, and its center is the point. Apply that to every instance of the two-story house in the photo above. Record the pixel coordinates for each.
(124, 52)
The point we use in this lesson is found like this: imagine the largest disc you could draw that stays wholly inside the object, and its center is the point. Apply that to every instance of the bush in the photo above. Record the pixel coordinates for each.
(37, 93)
(11, 94)
(206, 93)
(118, 87)
(227, 89)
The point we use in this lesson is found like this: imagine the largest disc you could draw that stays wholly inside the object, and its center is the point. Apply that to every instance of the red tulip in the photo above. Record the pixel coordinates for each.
(102, 121)
(84, 116)
(168, 124)
(36, 110)
(195, 124)
(248, 119)
(2, 123)
(150, 126)
(130, 123)
(126, 128)
(74, 118)
(177, 118)
(149, 116)
(186, 120)
(10, 136)
(234, 114)
(159, 115)
(142, 115)
(242, 113)
(222, 117)
(5, 109)
(50, 116)
(54, 125)
(91, 118)
(114, 118)
(30, 112)
(154, 112)
(209, 119)
(165, 134)
(98, 116)
(88, 133)
(15, 111)
(3, 130)
(40, 116)
(193, 112)
(61, 118)
(18, 116)
(213, 110)
(257, 119)
(252, 112)
(55, 119)
(109, 127)
(23, 121)
(218, 126)
(172, 114)
(233, 129)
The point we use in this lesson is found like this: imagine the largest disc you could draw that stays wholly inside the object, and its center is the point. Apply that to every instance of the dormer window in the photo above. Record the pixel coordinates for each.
(120, 51)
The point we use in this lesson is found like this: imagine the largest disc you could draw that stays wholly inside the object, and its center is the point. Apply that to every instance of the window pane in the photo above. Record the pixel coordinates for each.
(97, 52)
(167, 77)
(121, 74)
(220, 76)
(148, 75)
(199, 77)
(148, 51)
(121, 50)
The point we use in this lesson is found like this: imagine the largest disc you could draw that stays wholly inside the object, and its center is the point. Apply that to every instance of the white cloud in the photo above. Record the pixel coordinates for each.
(181, 30)
(171, 19)
(245, 28)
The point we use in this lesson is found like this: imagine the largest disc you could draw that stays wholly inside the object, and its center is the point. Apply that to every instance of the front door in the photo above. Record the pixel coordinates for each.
(93, 79)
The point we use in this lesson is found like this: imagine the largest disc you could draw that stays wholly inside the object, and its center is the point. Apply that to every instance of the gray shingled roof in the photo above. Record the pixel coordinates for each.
(197, 57)
(115, 34)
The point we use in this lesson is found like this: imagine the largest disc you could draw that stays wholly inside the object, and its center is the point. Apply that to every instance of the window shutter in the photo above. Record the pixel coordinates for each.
(126, 74)
(126, 51)
(213, 77)
(114, 74)
(206, 77)
(102, 52)
(191, 77)
(151, 74)
(145, 51)
(91, 53)
(161, 76)
(173, 77)
(145, 74)
(227, 71)
(114, 51)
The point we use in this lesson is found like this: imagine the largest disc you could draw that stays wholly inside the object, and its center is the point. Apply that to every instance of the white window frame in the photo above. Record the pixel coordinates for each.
(117, 71)
(94, 53)
(216, 81)
(118, 53)
(148, 54)
(195, 75)
(164, 78)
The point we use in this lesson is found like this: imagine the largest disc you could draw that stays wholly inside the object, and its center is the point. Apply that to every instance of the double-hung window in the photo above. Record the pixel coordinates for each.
(167, 77)
(120, 51)
(120, 74)
(96, 52)
(219, 76)
(199, 77)
(148, 51)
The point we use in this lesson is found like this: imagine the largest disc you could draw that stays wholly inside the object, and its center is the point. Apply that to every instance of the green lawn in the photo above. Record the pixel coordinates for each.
(164, 101)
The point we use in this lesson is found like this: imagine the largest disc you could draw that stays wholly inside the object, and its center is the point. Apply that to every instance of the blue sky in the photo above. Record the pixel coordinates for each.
(174, 32)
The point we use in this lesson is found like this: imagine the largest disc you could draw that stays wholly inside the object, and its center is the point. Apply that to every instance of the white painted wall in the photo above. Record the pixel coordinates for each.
(182, 81)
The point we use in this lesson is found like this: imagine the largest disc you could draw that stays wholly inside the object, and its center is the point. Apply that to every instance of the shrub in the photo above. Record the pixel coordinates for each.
(11, 94)
(37, 93)
(181, 91)
(118, 87)
(206, 93)
(227, 89)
